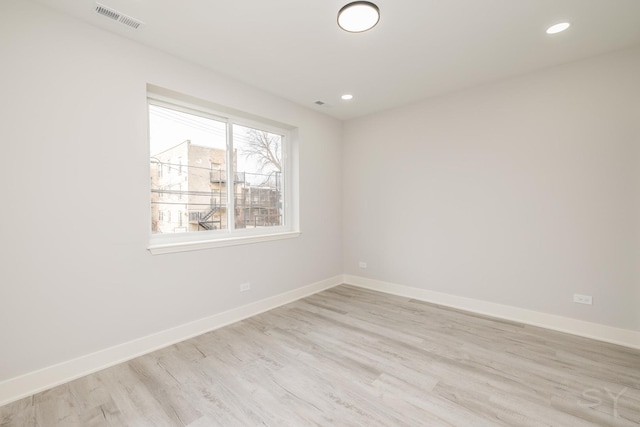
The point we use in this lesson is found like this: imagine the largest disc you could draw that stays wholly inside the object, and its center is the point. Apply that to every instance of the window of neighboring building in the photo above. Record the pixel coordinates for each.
(245, 157)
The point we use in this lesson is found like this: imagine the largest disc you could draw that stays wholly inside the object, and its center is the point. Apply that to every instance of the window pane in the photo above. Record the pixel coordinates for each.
(188, 172)
(259, 193)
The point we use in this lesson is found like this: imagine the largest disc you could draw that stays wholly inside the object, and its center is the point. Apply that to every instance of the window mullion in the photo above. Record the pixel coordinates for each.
(284, 173)
(231, 208)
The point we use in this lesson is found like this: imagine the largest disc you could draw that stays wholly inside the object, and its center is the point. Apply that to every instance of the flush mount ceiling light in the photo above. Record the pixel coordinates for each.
(558, 28)
(358, 16)
(346, 97)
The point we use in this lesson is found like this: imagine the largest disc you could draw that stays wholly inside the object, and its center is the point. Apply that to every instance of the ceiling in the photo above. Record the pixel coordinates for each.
(419, 49)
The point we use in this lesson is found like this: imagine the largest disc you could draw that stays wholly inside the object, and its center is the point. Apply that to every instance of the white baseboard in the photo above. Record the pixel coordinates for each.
(624, 337)
(33, 382)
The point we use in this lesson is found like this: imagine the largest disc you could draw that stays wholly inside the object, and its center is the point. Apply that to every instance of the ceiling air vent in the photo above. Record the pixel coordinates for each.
(117, 16)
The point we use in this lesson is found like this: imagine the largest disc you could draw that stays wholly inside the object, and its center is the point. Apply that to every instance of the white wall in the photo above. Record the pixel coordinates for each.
(76, 274)
(522, 192)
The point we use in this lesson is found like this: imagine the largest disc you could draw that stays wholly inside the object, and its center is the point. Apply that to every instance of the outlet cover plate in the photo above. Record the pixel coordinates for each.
(583, 299)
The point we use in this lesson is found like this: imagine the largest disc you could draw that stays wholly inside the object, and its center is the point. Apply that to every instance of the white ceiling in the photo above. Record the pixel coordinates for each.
(420, 48)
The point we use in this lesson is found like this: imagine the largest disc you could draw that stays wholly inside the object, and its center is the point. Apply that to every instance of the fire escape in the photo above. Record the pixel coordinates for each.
(206, 221)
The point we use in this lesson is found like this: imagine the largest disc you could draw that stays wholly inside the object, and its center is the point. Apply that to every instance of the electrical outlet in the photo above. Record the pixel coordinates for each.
(362, 264)
(583, 299)
(245, 287)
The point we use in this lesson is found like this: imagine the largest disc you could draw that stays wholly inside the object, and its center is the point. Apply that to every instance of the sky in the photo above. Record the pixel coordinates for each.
(168, 128)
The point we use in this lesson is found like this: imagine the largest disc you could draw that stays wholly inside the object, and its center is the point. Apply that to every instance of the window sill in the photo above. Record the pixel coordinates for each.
(168, 248)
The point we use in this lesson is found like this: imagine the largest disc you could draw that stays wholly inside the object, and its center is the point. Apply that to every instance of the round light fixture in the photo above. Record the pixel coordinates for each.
(346, 97)
(358, 16)
(558, 28)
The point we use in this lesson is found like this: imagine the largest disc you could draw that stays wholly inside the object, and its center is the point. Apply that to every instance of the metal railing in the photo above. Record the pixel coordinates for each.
(199, 194)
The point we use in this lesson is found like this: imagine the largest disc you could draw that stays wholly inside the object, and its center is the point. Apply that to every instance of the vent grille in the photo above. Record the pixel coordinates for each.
(105, 11)
(117, 16)
(127, 20)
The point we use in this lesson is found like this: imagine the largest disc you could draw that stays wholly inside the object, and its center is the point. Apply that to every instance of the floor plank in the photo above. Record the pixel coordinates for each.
(349, 356)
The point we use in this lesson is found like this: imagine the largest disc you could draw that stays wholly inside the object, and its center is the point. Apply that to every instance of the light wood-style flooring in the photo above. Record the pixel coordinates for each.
(353, 357)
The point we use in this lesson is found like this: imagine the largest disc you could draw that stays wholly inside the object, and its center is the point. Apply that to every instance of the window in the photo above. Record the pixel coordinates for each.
(237, 175)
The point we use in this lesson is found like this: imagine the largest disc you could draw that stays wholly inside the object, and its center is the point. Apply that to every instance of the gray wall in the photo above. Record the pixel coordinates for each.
(76, 275)
(522, 192)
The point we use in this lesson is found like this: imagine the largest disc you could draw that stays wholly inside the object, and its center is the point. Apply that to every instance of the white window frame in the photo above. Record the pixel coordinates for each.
(189, 241)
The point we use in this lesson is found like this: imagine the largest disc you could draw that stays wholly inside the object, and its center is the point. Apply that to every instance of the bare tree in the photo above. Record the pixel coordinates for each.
(264, 148)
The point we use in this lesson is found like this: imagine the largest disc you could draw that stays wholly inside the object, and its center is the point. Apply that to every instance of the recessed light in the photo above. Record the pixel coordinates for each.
(358, 16)
(346, 97)
(558, 28)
